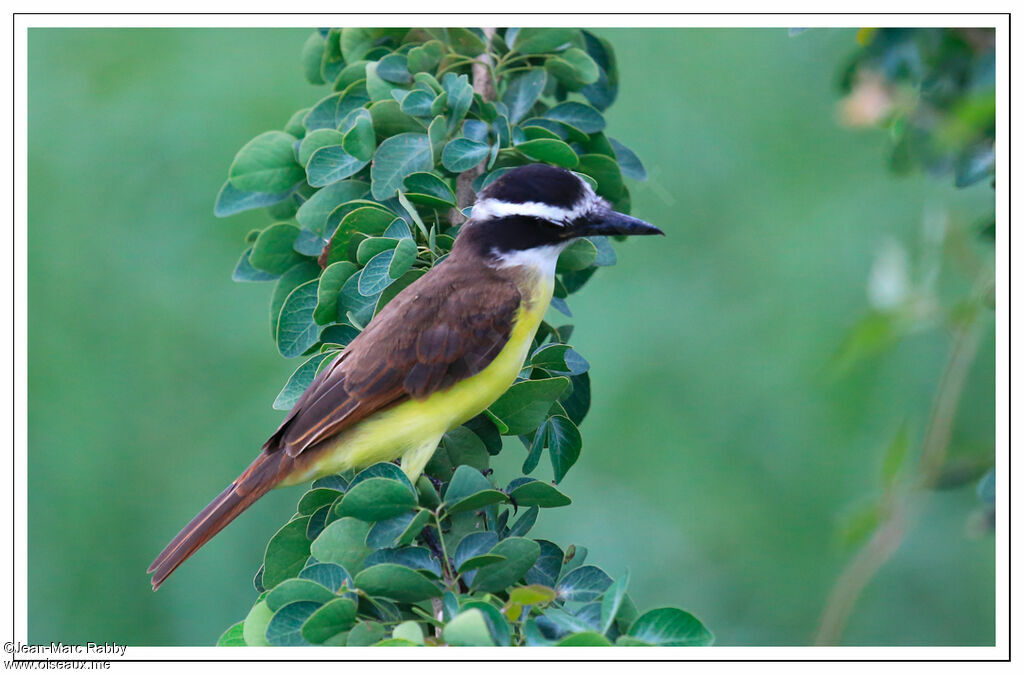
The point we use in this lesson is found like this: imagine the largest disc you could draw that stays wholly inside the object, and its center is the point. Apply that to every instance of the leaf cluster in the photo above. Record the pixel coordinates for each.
(935, 95)
(371, 559)
(362, 189)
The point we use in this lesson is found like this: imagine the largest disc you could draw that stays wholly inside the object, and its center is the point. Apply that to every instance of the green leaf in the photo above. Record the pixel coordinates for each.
(425, 57)
(612, 602)
(670, 627)
(629, 163)
(254, 628)
(356, 307)
(583, 584)
(315, 498)
(330, 111)
(244, 271)
(468, 629)
(273, 251)
(343, 542)
(537, 493)
(396, 158)
(398, 582)
(364, 634)
(460, 97)
(332, 60)
(231, 200)
(331, 164)
(551, 151)
(577, 402)
(296, 330)
(314, 212)
(285, 628)
(574, 68)
(558, 358)
(578, 116)
(299, 274)
(465, 41)
(374, 277)
(540, 40)
(585, 639)
(316, 140)
(580, 255)
(409, 631)
(438, 132)
(328, 575)
(398, 531)
(418, 103)
(468, 490)
(376, 86)
(299, 381)
(296, 590)
(564, 444)
(357, 42)
(606, 172)
(350, 74)
(360, 141)
(462, 154)
(331, 282)
(369, 218)
(335, 617)
(266, 164)
(416, 558)
(523, 92)
(462, 446)
(546, 570)
(377, 499)
(429, 190)
(312, 55)
(286, 552)
(473, 546)
(534, 594)
(520, 555)
(525, 405)
(233, 636)
(389, 120)
(403, 258)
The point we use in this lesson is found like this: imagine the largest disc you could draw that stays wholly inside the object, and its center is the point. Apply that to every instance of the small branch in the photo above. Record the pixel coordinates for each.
(890, 532)
(484, 85)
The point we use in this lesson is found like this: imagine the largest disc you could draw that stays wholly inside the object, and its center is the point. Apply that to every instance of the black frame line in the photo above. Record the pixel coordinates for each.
(1009, 219)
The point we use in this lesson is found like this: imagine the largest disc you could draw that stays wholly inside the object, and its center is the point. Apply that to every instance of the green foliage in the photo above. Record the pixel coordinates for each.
(934, 90)
(369, 174)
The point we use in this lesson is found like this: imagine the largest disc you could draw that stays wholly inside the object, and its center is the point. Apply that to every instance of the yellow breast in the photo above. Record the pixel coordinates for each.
(412, 429)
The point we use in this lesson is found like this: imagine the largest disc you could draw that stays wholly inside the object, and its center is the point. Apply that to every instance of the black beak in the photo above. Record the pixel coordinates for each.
(614, 222)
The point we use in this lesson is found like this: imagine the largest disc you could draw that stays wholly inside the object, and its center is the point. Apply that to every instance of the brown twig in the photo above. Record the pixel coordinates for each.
(483, 84)
(898, 518)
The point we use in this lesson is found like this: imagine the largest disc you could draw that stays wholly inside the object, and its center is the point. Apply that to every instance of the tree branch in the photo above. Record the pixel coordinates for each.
(484, 85)
(898, 520)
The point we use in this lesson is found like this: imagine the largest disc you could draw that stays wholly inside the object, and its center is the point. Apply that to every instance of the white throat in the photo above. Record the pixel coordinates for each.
(541, 259)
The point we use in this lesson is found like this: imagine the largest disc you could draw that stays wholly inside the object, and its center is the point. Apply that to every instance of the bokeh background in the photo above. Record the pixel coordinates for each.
(720, 453)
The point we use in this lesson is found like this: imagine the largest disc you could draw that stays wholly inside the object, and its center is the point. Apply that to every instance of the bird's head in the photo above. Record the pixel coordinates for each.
(530, 214)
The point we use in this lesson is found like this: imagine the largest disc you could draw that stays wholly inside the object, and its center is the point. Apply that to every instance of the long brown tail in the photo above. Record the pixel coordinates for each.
(261, 476)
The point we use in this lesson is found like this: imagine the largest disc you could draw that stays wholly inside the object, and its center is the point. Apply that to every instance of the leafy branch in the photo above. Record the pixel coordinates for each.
(366, 190)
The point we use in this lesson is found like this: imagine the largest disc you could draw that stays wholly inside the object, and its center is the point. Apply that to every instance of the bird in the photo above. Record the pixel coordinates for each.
(437, 355)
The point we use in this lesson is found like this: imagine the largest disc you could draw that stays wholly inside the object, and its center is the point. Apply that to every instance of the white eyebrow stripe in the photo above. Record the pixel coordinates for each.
(496, 208)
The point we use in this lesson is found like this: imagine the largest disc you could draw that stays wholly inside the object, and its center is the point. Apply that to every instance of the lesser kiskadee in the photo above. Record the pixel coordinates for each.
(436, 356)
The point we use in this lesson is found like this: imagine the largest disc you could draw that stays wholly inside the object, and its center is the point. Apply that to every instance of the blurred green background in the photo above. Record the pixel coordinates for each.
(719, 454)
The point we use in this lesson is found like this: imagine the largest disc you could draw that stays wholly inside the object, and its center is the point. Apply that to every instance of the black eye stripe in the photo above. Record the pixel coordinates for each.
(512, 233)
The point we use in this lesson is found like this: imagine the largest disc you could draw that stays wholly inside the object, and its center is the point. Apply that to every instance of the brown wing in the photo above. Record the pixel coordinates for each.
(446, 326)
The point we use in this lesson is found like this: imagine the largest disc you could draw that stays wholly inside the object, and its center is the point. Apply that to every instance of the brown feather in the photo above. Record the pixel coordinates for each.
(448, 325)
